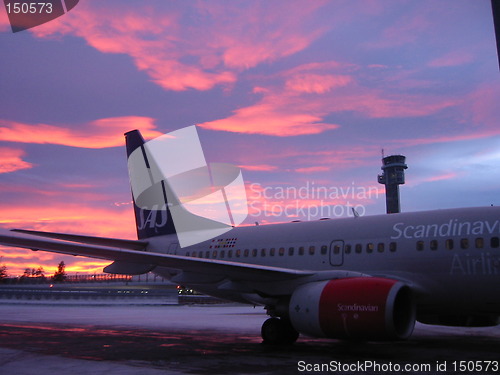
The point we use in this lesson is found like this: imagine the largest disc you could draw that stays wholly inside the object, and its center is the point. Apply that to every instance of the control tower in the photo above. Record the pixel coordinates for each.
(393, 175)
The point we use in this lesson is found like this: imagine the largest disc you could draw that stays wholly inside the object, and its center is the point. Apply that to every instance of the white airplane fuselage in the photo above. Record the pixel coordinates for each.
(450, 258)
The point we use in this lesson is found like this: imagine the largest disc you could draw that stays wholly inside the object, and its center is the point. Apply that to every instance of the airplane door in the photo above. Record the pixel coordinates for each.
(172, 248)
(337, 253)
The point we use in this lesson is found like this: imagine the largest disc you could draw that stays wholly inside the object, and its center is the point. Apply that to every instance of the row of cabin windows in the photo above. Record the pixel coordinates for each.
(463, 243)
(256, 252)
(357, 248)
(369, 248)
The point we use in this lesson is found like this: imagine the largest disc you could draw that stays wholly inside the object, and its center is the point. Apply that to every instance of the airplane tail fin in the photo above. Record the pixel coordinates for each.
(156, 219)
(176, 192)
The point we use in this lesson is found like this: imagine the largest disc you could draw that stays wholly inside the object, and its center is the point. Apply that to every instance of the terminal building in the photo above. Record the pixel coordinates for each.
(99, 289)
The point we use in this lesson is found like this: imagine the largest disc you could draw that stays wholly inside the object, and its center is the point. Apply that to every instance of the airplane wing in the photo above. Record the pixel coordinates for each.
(112, 242)
(123, 251)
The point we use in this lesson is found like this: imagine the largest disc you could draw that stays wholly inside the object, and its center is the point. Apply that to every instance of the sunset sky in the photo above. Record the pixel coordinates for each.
(302, 95)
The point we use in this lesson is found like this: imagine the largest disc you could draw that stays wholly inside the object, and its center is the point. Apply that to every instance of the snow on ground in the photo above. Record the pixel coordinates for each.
(224, 317)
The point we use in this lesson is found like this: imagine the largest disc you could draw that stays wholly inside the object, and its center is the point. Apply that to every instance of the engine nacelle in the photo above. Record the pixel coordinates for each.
(370, 308)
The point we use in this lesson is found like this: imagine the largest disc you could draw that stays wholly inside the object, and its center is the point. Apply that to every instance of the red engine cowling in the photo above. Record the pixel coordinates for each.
(369, 308)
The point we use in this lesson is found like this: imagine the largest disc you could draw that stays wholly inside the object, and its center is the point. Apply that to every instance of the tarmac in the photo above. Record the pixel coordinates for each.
(216, 339)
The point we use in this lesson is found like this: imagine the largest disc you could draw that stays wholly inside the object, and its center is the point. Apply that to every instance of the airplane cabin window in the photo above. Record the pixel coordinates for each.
(494, 242)
(187, 254)
(246, 252)
(263, 253)
(434, 244)
(464, 243)
(291, 250)
(369, 247)
(222, 253)
(393, 247)
(347, 249)
(311, 250)
(207, 254)
(420, 245)
(336, 249)
(230, 254)
(214, 254)
(301, 250)
(254, 252)
(449, 244)
(281, 251)
(324, 249)
(380, 247)
(479, 243)
(359, 248)
(238, 253)
(271, 252)
(194, 254)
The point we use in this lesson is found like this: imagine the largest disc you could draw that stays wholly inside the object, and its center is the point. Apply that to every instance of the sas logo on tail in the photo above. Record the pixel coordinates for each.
(156, 218)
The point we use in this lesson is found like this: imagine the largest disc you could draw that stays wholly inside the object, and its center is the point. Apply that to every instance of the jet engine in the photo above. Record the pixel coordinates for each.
(370, 308)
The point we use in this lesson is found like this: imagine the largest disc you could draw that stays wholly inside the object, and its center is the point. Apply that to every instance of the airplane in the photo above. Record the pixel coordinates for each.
(361, 277)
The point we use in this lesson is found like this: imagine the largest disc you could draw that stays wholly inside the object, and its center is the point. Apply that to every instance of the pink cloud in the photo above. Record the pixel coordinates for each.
(11, 160)
(172, 75)
(61, 200)
(57, 207)
(85, 267)
(106, 221)
(312, 169)
(272, 116)
(453, 58)
(316, 83)
(301, 158)
(376, 103)
(198, 56)
(259, 167)
(109, 221)
(17, 254)
(326, 160)
(151, 36)
(441, 177)
(296, 102)
(481, 106)
(107, 132)
(415, 21)
(465, 136)
(247, 34)
(294, 106)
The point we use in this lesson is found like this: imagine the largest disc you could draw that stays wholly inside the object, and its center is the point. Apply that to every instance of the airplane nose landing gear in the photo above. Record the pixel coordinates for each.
(278, 331)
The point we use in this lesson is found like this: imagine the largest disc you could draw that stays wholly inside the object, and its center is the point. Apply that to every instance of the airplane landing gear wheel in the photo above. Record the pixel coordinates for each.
(278, 331)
